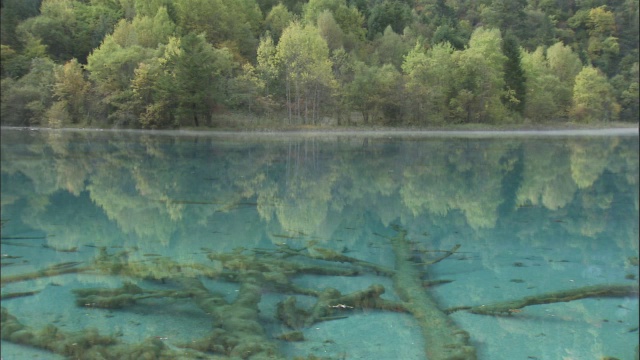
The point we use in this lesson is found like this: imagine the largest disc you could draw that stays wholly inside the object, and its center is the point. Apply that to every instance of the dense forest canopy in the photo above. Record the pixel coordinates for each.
(173, 63)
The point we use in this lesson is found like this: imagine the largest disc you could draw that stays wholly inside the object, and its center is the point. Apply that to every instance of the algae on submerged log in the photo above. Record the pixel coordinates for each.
(444, 340)
(89, 344)
(237, 329)
(331, 302)
(593, 291)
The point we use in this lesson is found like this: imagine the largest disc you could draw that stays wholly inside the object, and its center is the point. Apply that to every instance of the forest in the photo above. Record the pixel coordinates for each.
(159, 64)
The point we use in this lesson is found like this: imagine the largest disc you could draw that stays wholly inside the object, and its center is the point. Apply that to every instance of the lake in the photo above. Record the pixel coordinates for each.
(398, 245)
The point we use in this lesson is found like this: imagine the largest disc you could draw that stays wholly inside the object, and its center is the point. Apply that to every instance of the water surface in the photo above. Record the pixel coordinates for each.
(229, 214)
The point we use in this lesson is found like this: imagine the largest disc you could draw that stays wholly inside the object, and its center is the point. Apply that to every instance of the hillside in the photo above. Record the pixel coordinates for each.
(421, 63)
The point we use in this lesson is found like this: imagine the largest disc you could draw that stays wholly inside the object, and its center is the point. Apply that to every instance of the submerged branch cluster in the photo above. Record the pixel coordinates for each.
(237, 328)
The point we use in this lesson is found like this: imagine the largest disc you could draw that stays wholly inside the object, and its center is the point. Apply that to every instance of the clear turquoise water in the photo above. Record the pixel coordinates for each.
(533, 213)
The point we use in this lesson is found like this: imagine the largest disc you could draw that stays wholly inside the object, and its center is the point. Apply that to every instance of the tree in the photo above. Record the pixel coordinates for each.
(16, 64)
(504, 14)
(13, 12)
(230, 24)
(565, 65)
(376, 92)
(150, 8)
(330, 30)
(603, 47)
(514, 76)
(246, 91)
(429, 84)
(111, 67)
(151, 93)
(25, 101)
(394, 13)
(626, 85)
(69, 28)
(71, 90)
(391, 48)
(538, 29)
(267, 67)
(303, 57)
(54, 27)
(145, 31)
(480, 79)
(446, 33)
(593, 98)
(194, 76)
(563, 62)
(277, 20)
(542, 87)
(347, 17)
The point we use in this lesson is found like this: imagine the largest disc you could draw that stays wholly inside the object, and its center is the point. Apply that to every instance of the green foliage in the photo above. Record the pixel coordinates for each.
(476, 61)
(25, 101)
(538, 29)
(151, 31)
(480, 79)
(16, 64)
(150, 8)
(543, 88)
(68, 28)
(565, 64)
(148, 102)
(303, 57)
(267, 67)
(603, 46)
(231, 24)
(277, 20)
(375, 93)
(506, 15)
(330, 30)
(429, 84)
(183, 85)
(394, 13)
(391, 48)
(198, 73)
(13, 12)
(626, 88)
(593, 98)
(71, 90)
(347, 17)
(514, 77)
(247, 92)
(111, 67)
(446, 33)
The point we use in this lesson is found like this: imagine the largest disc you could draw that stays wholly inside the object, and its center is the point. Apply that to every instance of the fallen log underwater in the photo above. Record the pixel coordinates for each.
(512, 306)
(237, 331)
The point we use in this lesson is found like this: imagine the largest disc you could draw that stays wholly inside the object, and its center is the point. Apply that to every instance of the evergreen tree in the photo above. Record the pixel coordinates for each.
(514, 76)
(394, 13)
(195, 76)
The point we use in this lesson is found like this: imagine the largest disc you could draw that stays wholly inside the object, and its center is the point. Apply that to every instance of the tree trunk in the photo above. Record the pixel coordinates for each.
(195, 115)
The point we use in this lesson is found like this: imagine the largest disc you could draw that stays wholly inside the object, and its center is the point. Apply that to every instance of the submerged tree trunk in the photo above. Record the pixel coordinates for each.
(444, 340)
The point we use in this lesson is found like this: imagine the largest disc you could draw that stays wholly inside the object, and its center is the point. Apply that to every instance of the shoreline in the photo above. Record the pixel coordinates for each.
(467, 130)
